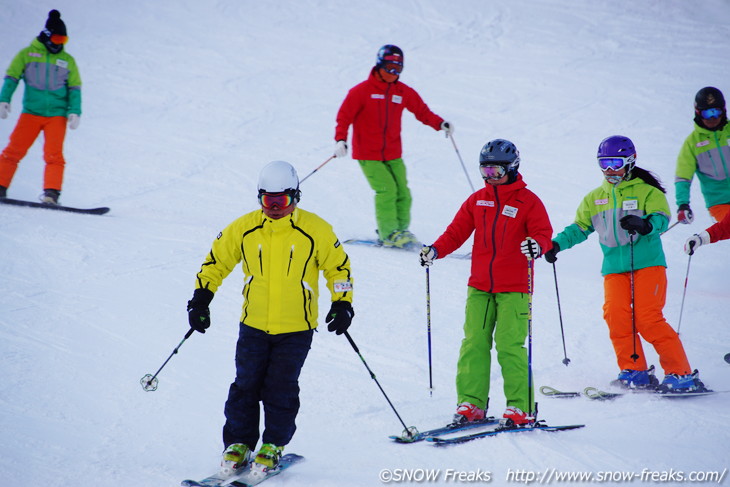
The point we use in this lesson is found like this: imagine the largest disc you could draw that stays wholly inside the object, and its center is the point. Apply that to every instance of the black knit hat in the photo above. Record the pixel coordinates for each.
(54, 24)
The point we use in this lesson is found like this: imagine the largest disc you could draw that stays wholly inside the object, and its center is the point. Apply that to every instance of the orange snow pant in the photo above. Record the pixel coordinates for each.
(718, 212)
(650, 291)
(23, 136)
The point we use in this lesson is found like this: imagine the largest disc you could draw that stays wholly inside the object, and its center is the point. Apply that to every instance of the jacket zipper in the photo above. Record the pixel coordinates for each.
(385, 124)
(497, 207)
(291, 257)
(261, 261)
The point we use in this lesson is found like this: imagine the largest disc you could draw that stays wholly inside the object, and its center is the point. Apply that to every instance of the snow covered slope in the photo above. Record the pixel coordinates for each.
(185, 101)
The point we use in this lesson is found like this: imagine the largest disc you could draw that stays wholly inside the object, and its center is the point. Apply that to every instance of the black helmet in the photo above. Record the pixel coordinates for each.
(390, 54)
(709, 97)
(501, 152)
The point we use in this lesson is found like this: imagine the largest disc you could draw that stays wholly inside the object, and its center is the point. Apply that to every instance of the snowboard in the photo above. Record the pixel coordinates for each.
(246, 478)
(32, 204)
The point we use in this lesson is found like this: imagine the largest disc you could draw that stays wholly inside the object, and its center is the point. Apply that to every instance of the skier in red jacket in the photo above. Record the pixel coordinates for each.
(507, 220)
(374, 109)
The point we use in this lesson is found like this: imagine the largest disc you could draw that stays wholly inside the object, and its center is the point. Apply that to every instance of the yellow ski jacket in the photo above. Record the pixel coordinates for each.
(281, 260)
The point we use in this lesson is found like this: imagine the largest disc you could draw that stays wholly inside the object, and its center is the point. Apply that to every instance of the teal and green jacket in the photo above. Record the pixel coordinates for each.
(706, 153)
(602, 209)
(52, 82)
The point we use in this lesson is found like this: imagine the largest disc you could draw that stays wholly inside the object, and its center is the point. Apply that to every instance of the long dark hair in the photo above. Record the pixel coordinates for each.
(648, 177)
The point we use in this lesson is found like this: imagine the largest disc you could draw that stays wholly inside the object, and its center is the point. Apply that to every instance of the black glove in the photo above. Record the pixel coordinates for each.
(198, 312)
(551, 255)
(339, 317)
(634, 224)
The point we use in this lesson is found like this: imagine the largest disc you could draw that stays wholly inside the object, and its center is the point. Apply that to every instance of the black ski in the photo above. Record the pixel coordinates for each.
(414, 436)
(32, 204)
(539, 426)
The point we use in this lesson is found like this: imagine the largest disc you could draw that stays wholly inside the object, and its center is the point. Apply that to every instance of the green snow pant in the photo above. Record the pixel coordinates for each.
(392, 196)
(502, 318)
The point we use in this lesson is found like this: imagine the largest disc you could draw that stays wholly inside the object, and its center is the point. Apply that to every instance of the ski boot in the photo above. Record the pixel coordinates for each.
(50, 196)
(467, 412)
(514, 417)
(411, 241)
(637, 379)
(235, 459)
(3, 192)
(266, 459)
(681, 384)
(397, 239)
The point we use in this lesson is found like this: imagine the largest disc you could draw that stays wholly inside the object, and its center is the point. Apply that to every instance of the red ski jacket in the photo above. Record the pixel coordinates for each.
(374, 109)
(500, 217)
(720, 230)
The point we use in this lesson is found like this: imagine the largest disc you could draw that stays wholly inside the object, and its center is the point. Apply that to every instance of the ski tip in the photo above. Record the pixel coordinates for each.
(552, 392)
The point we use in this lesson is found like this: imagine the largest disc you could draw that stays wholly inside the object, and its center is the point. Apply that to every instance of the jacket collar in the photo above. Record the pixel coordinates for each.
(285, 222)
(374, 79)
(505, 189)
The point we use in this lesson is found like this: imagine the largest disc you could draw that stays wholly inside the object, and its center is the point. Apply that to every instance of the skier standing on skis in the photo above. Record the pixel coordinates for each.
(508, 220)
(374, 108)
(630, 211)
(51, 101)
(281, 248)
(706, 152)
(714, 233)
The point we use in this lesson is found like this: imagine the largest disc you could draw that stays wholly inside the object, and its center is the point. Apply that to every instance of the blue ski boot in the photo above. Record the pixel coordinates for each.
(681, 384)
(637, 379)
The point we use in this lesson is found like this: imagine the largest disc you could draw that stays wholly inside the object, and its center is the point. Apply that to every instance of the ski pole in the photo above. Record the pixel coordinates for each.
(406, 429)
(461, 161)
(684, 293)
(634, 356)
(317, 169)
(670, 227)
(149, 381)
(428, 328)
(566, 360)
(530, 268)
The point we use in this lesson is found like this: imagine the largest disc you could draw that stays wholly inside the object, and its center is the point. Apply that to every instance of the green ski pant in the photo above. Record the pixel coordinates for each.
(392, 196)
(502, 318)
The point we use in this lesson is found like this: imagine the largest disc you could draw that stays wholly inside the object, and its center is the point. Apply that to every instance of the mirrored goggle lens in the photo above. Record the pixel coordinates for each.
(613, 163)
(281, 200)
(393, 68)
(59, 39)
(492, 171)
(711, 113)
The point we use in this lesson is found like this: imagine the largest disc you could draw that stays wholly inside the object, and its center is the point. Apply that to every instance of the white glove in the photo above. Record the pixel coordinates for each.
(530, 248)
(4, 109)
(702, 238)
(73, 121)
(428, 255)
(447, 127)
(341, 148)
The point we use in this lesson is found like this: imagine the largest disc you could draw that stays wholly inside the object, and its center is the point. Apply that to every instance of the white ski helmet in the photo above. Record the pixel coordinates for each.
(278, 177)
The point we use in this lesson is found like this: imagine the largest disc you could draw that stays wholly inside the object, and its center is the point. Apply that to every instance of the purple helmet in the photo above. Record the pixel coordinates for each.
(616, 152)
(616, 146)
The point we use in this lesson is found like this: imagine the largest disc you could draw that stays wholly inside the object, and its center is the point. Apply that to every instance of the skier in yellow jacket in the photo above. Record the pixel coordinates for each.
(281, 249)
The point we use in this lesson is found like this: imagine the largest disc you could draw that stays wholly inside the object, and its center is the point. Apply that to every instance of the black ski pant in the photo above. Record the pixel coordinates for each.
(267, 371)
